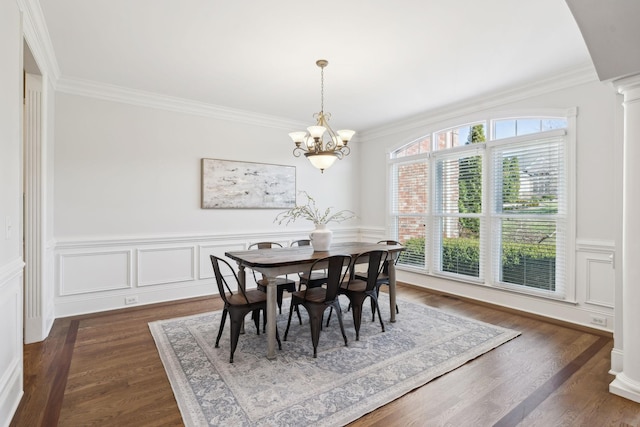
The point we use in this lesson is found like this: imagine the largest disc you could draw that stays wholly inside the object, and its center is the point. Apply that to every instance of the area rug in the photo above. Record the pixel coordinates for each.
(338, 387)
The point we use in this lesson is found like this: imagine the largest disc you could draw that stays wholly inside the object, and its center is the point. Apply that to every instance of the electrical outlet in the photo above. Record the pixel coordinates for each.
(133, 299)
(599, 320)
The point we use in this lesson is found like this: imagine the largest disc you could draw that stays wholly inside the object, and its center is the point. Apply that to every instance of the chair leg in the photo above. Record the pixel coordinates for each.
(291, 308)
(222, 321)
(336, 304)
(280, 291)
(255, 315)
(237, 318)
(298, 312)
(374, 300)
(315, 320)
(356, 309)
(329, 318)
(373, 310)
(278, 339)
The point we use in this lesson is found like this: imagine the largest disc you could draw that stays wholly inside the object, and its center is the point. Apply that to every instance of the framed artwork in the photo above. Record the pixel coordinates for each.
(228, 184)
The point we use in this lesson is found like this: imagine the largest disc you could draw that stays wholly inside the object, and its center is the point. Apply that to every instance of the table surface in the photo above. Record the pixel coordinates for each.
(277, 257)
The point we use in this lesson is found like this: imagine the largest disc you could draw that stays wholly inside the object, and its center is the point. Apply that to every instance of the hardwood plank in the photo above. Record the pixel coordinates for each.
(115, 376)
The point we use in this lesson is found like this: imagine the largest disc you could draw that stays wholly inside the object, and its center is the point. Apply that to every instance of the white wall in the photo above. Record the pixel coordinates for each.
(128, 192)
(598, 209)
(11, 264)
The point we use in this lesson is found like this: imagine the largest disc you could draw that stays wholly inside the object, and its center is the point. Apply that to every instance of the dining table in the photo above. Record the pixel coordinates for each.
(275, 262)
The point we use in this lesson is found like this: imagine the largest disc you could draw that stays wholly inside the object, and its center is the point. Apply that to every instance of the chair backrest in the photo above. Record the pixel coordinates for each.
(262, 245)
(223, 286)
(301, 242)
(377, 262)
(337, 270)
(385, 269)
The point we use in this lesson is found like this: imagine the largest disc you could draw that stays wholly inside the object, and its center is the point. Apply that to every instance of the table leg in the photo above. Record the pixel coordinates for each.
(392, 290)
(242, 282)
(271, 318)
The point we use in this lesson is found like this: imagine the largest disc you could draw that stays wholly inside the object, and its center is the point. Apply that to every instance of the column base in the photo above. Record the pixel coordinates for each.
(625, 387)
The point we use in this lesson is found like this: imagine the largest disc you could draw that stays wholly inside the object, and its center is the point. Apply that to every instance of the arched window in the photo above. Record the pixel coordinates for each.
(486, 202)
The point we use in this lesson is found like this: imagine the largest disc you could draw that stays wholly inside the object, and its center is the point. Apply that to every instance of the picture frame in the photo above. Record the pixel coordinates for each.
(229, 184)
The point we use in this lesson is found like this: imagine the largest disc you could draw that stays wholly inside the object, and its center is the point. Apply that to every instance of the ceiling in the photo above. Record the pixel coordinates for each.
(387, 60)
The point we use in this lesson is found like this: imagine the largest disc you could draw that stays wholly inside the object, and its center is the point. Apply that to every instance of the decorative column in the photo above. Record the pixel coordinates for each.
(627, 381)
(37, 317)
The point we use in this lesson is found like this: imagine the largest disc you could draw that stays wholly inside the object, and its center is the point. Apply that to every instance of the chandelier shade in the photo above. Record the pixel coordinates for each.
(321, 144)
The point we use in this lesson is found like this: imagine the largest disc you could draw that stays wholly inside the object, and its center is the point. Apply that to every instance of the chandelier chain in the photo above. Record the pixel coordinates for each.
(322, 89)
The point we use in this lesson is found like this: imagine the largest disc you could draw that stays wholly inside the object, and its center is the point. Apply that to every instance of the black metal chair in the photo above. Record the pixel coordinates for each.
(237, 305)
(310, 279)
(383, 277)
(317, 299)
(282, 283)
(357, 290)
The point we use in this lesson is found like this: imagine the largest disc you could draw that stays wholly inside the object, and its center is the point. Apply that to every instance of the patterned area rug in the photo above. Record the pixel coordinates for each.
(338, 387)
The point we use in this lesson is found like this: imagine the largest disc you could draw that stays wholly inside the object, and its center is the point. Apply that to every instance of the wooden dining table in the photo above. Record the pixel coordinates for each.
(280, 261)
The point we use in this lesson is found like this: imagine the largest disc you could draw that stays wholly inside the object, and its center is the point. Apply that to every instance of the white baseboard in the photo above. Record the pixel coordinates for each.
(625, 387)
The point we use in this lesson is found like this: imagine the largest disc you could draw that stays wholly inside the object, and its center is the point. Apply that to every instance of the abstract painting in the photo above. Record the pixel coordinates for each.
(229, 184)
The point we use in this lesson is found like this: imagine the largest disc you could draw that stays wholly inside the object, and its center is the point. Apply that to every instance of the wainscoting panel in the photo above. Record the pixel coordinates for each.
(599, 285)
(596, 273)
(158, 266)
(11, 280)
(217, 249)
(100, 275)
(88, 272)
(595, 282)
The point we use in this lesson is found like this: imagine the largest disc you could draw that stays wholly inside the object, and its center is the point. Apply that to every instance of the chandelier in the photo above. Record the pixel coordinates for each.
(321, 144)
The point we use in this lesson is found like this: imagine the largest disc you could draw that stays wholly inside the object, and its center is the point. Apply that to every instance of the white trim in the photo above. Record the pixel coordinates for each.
(189, 277)
(65, 256)
(36, 34)
(471, 107)
(562, 310)
(599, 246)
(98, 241)
(11, 372)
(616, 361)
(626, 387)
(186, 276)
(11, 270)
(141, 98)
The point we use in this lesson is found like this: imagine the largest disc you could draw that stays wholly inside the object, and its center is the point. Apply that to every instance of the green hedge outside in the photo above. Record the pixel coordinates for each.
(531, 265)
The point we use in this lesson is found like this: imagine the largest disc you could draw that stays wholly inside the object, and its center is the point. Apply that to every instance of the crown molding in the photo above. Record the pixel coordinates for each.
(36, 34)
(570, 78)
(140, 98)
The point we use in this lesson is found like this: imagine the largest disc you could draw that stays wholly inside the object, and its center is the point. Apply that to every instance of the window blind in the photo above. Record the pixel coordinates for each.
(458, 217)
(529, 215)
(409, 208)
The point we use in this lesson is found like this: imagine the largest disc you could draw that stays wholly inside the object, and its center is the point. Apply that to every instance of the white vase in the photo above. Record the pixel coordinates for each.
(321, 238)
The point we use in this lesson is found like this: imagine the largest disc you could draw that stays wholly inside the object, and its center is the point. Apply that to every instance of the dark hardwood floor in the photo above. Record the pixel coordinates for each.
(104, 370)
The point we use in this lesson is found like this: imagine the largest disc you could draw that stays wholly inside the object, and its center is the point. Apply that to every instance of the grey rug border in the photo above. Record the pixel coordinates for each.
(192, 414)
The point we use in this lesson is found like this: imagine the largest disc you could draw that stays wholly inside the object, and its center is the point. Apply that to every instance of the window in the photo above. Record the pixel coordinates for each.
(490, 209)
(529, 213)
(410, 200)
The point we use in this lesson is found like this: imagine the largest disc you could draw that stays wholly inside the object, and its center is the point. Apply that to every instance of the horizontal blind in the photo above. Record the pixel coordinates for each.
(409, 209)
(529, 190)
(458, 217)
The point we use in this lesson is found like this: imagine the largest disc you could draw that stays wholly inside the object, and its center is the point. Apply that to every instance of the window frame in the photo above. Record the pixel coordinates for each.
(488, 272)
